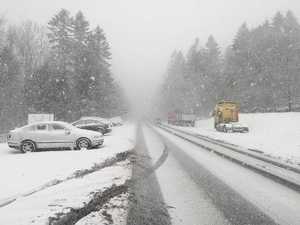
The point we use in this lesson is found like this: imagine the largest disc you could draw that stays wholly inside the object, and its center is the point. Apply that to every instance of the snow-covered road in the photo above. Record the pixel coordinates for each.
(218, 187)
(168, 181)
(188, 204)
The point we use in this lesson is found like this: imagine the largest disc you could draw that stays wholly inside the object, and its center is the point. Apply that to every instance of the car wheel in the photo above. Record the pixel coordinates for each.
(28, 146)
(83, 143)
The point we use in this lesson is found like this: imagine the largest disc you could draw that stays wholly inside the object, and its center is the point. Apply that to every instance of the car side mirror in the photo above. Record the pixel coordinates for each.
(67, 132)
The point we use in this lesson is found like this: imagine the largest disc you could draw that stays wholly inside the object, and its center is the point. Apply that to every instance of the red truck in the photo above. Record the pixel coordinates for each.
(181, 119)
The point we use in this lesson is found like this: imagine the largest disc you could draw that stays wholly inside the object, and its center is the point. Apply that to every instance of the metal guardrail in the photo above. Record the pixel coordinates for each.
(286, 174)
(245, 151)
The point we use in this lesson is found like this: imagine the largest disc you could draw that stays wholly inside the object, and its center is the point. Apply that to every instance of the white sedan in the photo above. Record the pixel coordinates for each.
(54, 134)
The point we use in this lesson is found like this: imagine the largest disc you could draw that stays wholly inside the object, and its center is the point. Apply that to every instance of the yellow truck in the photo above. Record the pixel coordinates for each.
(226, 117)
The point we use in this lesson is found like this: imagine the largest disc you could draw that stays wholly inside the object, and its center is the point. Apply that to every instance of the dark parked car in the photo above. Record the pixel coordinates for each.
(92, 124)
(232, 127)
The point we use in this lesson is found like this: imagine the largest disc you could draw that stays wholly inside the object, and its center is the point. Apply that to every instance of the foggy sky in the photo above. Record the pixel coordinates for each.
(143, 33)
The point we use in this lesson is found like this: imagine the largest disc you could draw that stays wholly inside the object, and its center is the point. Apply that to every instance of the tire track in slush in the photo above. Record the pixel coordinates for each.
(146, 205)
(235, 207)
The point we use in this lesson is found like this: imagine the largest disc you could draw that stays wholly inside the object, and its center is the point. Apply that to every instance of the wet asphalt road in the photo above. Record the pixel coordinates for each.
(147, 203)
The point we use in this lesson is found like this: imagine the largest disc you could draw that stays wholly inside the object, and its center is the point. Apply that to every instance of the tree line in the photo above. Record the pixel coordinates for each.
(260, 70)
(62, 68)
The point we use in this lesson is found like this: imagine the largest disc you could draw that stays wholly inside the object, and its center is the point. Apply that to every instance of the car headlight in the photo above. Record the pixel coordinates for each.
(97, 137)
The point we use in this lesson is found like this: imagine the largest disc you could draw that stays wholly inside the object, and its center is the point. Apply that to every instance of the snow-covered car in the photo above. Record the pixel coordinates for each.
(100, 119)
(232, 127)
(116, 121)
(92, 123)
(54, 134)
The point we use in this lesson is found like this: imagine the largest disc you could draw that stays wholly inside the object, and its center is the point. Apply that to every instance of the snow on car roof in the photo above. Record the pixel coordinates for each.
(92, 117)
(49, 122)
(95, 118)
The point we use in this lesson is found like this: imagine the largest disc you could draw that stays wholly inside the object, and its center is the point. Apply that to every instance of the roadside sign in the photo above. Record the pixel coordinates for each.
(32, 118)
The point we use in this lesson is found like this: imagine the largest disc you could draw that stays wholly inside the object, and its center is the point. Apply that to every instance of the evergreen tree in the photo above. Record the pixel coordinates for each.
(278, 21)
(176, 88)
(100, 86)
(260, 69)
(80, 34)
(11, 100)
(60, 38)
(192, 60)
(292, 40)
(212, 73)
(65, 72)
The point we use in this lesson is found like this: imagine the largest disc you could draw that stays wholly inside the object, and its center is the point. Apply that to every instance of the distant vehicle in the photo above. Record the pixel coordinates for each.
(100, 119)
(232, 127)
(49, 135)
(116, 121)
(226, 117)
(158, 121)
(181, 119)
(92, 123)
(226, 112)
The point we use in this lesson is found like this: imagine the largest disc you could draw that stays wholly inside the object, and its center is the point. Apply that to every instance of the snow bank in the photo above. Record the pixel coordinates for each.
(115, 212)
(276, 134)
(23, 173)
(72, 194)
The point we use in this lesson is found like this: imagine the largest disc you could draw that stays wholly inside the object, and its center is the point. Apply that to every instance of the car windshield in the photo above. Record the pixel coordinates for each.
(94, 122)
(80, 122)
(67, 125)
(86, 122)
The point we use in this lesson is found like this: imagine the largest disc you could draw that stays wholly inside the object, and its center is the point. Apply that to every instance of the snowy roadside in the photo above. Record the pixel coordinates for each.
(62, 203)
(114, 212)
(275, 134)
(40, 185)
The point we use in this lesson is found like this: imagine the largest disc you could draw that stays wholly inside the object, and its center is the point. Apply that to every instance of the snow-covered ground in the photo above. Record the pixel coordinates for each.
(276, 134)
(61, 198)
(117, 207)
(22, 174)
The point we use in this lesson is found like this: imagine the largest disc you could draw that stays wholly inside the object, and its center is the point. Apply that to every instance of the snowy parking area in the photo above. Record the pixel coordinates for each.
(28, 181)
(276, 134)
